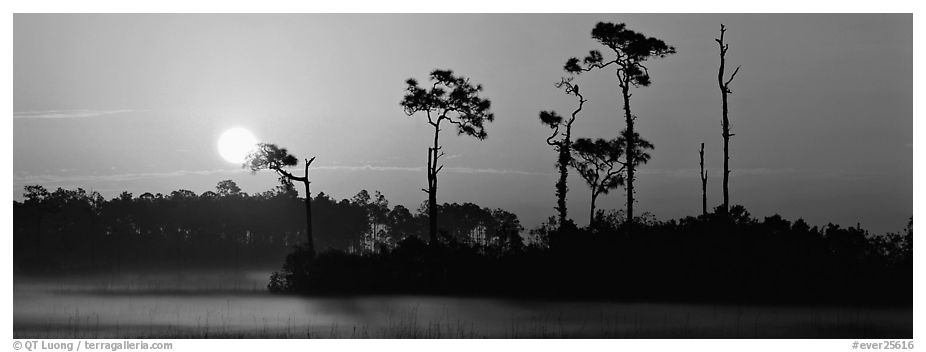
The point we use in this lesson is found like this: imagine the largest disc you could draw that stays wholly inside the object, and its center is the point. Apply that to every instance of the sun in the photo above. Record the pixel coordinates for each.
(235, 144)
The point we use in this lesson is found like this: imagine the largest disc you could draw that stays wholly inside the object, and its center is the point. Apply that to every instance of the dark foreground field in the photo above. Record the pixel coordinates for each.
(231, 305)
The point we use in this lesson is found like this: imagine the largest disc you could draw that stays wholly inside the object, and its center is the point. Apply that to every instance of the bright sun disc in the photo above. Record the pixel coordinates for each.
(235, 144)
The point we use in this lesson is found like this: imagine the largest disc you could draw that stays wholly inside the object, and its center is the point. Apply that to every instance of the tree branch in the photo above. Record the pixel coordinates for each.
(725, 85)
(555, 132)
(288, 175)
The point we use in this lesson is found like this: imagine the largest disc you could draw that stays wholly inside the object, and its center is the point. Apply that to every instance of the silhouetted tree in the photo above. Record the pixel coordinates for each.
(631, 49)
(227, 188)
(271, 157)
(563, 145)
(455, 100)
(377, 211)
(703, 183)
(401, 224)
(507, 230)
(724, 91)
(36, 195)
(465, 223)
(341, 224)
(182, 194)
(598, 162)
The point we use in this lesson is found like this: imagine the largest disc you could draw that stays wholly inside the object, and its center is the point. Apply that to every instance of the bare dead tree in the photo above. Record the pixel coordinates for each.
(725, 90)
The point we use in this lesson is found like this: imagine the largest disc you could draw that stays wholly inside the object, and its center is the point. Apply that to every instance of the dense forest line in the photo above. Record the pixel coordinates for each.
(368, 247)
(79, 231)
(713, 257)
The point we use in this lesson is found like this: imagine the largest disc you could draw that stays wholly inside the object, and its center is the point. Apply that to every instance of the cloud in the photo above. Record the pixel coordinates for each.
(672, 173)
(65, 114)
(784, 172)
(82, 179)
(368, 168)
(462, 170)
(467, 170)
(60, 179)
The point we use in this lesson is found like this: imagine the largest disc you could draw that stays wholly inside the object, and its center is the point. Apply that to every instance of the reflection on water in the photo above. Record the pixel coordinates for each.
(211, 304)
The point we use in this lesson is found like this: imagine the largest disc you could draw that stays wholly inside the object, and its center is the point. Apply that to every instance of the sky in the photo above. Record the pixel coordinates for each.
(821, 108)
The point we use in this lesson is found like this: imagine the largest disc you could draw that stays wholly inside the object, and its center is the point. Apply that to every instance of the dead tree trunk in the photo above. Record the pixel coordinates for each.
(703, 183)
(725, 90)
(433, 169)
(310, 242)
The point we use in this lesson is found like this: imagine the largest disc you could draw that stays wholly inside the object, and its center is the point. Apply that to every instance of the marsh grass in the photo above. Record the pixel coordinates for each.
(216, 306)
(746, 322)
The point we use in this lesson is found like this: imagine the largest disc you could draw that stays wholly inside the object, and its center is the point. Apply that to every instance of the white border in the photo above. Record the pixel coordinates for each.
(471, 6)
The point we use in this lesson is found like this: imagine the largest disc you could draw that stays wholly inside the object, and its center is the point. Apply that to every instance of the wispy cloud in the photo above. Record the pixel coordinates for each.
(77, 179)
(784, 172)
(462, 170)
(694, 172)
(467, 170)
(63, 179)
(367, 168)
(66, 114)
(83, 179)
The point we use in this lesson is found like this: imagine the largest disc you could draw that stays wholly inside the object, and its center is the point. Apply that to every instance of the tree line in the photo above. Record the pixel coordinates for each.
(79, 231)
(732, 258)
